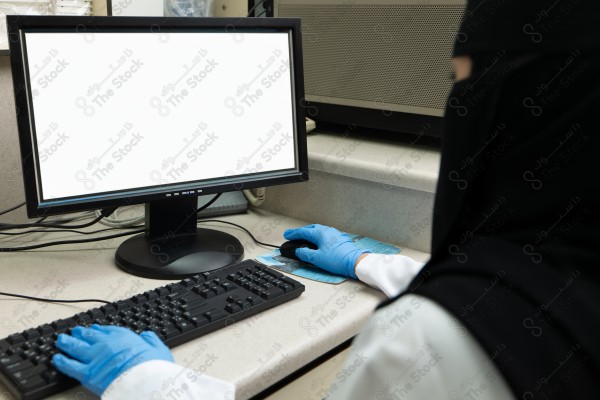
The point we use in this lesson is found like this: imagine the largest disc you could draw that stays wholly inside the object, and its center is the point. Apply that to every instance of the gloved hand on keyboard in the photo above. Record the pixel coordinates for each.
(102, 353)
(336, 253)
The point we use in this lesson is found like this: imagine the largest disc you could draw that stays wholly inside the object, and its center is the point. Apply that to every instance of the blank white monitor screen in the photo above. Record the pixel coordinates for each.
(118, 111)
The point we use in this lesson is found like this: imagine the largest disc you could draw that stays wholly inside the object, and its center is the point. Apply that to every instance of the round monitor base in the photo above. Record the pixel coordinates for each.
(180, 256)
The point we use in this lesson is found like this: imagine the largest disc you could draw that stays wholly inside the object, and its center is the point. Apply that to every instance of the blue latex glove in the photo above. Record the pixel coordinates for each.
(336, 253)
(102, 353)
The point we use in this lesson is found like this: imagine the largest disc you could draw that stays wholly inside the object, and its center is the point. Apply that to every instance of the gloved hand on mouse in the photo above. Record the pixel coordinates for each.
(101, 353)
(336, 252)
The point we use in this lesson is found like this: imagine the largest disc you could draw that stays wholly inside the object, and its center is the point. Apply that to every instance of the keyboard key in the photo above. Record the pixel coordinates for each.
(170, 332)
(193, 305)
(108, 309)
(252, 300)
(288, 281)
(271, 293)
(176, 295)
(45, 329)
(199, 320)
(50, 376)
(19, 366)
(285, 287)
(16, 338)
(232, 299)
(227, 286)
(123, 305)
(151, 295)
(214, 315)
(175, 287)
(95, 313)
(8, 360)
(184, 326)
(31, 334)
(218, 289)
(140, 298)
(207, 293)
(31, 382)
(233, 308)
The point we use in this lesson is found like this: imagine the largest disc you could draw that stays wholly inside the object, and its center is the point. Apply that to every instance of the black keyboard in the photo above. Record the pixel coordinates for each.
(178, 313)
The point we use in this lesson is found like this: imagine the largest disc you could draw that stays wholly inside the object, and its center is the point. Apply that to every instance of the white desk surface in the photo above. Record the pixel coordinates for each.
(253, 354)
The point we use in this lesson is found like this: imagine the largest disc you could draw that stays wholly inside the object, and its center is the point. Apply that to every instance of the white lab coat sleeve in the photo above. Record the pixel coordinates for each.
(158, 379)
(413, 349)
(389, 273)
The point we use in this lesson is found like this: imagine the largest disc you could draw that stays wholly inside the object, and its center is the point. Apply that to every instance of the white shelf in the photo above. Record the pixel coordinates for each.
(391, 163)
(371, 187)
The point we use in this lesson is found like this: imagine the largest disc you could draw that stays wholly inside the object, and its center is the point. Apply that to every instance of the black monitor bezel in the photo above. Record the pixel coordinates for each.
(18, 24)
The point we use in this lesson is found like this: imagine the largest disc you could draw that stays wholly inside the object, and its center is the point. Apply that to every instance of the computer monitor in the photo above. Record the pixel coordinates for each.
(116, 111)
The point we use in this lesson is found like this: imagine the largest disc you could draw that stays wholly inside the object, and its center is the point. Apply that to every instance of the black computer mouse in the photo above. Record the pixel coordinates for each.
(288, 249)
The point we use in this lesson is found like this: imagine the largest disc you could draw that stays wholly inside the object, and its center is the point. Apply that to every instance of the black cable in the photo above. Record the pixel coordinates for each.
(204, 207)
(105, 213)
(262, 13)
(12, 208)
(5, 226)
(254, 7)
(55, 300)
(38, 246)
(71, 219)
(242, 228)
(65, 228)
(68, 230)
(38, 224)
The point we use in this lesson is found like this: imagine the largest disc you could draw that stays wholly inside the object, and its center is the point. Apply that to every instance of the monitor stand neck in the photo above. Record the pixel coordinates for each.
(172, 246)
(172, 217)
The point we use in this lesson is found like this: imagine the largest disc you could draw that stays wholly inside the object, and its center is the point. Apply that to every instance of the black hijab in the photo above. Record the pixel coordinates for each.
(516, 242)
(528, 26)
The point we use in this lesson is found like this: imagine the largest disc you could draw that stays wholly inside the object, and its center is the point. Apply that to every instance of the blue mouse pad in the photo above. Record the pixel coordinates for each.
(275, 260)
